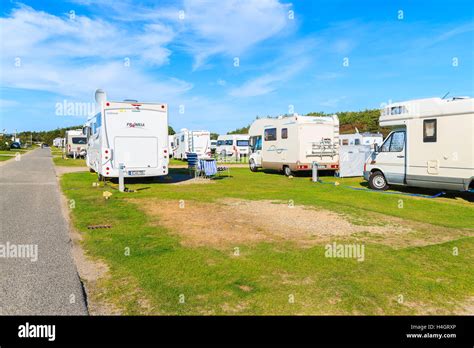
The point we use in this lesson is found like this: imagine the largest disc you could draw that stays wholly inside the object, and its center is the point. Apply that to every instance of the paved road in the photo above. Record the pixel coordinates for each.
(31, 215)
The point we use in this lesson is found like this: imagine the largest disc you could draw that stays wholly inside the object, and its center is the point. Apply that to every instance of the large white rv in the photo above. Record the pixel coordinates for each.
(293, 143)
(186, 141)
(431, 145)
(129, 133)
(76, 143)
(233, 145)
(59, 142)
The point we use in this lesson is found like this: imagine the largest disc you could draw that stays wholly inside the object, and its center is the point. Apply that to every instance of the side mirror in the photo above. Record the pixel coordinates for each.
(376, 148)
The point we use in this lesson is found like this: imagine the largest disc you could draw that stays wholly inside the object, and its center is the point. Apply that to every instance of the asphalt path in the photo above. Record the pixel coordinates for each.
(44, 282)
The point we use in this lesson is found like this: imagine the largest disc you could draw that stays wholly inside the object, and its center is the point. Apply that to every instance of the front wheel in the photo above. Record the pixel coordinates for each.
(377, 181)
(253, 165)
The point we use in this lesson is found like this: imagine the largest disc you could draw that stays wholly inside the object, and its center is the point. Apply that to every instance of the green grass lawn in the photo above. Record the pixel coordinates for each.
(266, 275)
(69, 162)
(5, 155)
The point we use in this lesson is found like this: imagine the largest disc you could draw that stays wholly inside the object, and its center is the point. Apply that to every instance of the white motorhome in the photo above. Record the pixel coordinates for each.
(233, 145)
(293, 143)
(197, 141)
(59, 142)
(76, 143)
(431, 145)
(129, 133)
(361, 139)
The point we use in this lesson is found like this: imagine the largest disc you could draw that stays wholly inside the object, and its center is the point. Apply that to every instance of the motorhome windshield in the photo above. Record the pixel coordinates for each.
(242, 143)
(79, 140)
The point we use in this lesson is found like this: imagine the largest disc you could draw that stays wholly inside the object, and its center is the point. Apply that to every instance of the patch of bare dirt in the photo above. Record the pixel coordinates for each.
(232, 222)
(466, 307)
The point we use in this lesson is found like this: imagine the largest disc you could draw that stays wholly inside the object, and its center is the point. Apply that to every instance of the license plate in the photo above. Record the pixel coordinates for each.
(322, 166)
(136, 172)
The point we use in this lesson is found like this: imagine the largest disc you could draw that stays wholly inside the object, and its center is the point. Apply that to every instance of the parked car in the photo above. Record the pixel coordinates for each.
(15, 145)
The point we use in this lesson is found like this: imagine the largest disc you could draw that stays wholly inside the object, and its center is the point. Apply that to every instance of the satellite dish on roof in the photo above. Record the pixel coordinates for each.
(100, 96)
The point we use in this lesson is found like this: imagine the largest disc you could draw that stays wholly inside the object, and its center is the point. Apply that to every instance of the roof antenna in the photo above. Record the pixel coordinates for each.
(445, 95)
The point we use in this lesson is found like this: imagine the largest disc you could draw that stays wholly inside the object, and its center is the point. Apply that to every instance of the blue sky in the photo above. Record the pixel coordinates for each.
(299, 56)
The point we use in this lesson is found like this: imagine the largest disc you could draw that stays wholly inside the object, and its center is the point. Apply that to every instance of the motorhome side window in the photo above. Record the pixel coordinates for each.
(229, 142)
(270, 134)
(284, 133)
(394, 143)
(182, 138)
(429, 131)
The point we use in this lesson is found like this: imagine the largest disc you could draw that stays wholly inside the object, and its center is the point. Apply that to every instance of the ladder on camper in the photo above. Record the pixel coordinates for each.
(322, 148)
(190, 141)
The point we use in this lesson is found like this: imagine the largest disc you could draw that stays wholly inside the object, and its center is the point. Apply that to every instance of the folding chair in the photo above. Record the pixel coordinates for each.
(192, 163)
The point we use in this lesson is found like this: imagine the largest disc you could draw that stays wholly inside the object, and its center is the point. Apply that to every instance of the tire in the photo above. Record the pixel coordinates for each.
(253, 166)
(287, 171)
(377, 181)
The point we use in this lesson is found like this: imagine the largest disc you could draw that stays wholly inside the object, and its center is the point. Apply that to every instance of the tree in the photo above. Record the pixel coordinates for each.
(243, 130)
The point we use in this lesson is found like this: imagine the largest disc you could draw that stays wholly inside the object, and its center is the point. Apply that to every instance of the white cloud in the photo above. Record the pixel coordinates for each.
(230, 27)
(267, 83)
(7, 103)
(74, 57)
(291, 60)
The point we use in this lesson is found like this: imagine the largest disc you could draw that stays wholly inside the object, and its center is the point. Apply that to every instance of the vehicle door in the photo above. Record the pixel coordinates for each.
(391, 157)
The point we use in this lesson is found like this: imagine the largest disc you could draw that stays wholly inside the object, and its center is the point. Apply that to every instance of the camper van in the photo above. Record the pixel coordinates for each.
(128, 133)
(233, 145)
(357, 138)
(431, 145)
(186, 141)
(76, 143)
(59, 142)
(293, 143)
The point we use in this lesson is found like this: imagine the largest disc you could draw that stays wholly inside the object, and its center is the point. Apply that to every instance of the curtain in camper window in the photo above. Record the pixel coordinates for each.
(270, 134)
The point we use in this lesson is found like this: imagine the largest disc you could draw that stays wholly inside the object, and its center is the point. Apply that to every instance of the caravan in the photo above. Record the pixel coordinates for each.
(233, 145)
(59, 142)
(293, 143)
(75, 143)
(431, 145)
(187, 141)
(128, 133)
